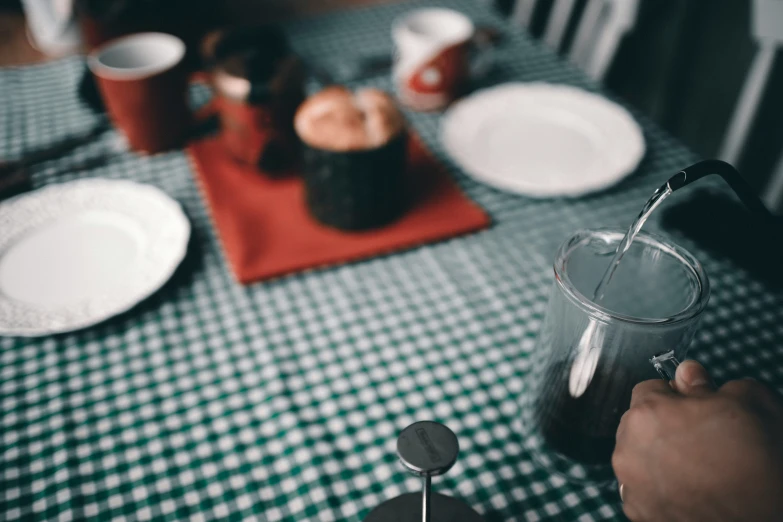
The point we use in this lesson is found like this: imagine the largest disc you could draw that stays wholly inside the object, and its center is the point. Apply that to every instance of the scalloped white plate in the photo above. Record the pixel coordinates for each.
(542, 140)
(75, 254)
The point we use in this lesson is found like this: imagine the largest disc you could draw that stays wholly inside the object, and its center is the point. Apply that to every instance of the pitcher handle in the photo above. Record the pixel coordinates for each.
(666, 365)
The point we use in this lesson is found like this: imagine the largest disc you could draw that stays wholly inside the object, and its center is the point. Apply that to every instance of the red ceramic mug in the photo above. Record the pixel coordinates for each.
(433, 61)
(144, 83)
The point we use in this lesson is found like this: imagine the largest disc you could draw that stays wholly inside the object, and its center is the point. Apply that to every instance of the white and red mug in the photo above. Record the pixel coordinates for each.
(433, 61)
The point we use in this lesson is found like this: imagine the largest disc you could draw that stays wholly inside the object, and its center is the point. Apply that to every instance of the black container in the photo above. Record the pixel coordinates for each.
(356, 190)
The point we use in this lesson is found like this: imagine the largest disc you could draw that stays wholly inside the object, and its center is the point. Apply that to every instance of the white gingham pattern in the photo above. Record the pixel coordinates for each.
(282, 400)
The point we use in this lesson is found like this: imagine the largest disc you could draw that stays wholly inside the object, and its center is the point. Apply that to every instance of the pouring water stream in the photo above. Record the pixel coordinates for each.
(589, 349)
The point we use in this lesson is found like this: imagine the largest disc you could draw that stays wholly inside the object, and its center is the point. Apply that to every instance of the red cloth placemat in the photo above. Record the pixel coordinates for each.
(266, 230)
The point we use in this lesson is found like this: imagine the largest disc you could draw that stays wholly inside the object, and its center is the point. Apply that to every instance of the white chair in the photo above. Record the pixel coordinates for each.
(767, 30)
(600, 30)
(522, 13)
(604, 24)
(558, 23)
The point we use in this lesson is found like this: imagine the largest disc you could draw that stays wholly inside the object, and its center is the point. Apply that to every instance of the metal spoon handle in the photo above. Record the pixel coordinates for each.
(425, 498)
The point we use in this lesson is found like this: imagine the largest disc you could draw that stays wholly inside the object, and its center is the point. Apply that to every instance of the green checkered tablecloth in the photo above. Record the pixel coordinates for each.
(282, 400)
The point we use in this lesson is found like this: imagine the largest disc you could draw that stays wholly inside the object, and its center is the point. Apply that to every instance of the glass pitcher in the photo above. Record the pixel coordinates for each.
(590, 355)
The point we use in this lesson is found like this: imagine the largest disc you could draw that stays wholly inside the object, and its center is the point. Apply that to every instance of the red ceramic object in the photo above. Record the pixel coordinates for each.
(143, 82)
(432, 64)
(266, 230)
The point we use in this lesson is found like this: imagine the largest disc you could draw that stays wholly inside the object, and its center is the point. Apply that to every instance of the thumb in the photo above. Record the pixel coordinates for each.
(692, 379)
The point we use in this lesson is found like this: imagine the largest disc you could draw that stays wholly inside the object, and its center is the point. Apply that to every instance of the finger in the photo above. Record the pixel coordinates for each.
(743, 388)
(752, 393)
(622, 463)
(648, 389)
(631, 505)
(621, 428)
(630, 472)
(631, 511)
(692, 379)
(638, 509)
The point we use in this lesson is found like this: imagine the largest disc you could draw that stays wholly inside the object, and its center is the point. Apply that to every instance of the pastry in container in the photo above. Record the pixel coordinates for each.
(354, 157)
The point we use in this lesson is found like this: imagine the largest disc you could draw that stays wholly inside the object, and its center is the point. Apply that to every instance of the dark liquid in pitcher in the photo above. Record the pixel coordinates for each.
(582, 428)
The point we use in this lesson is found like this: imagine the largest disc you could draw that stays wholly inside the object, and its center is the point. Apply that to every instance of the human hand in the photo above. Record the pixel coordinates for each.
(689, 452)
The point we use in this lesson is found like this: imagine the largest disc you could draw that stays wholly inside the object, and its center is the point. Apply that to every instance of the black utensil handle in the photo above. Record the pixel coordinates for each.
(734, 179)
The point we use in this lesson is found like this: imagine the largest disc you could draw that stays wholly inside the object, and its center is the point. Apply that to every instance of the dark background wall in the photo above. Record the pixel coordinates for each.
(684, 65)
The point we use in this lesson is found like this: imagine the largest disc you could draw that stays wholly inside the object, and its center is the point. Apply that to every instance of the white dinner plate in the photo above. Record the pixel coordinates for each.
(542, 140)
(75, 254)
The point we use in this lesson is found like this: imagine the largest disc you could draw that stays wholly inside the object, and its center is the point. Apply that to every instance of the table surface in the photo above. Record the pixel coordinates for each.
(282, 400)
